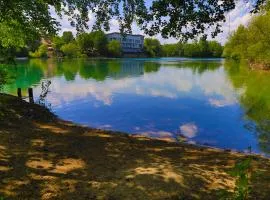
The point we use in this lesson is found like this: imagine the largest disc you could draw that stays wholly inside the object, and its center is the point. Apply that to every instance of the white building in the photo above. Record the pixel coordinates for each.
(129, 43)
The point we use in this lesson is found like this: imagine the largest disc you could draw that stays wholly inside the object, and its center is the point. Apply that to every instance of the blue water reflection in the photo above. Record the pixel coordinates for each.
(164, 98)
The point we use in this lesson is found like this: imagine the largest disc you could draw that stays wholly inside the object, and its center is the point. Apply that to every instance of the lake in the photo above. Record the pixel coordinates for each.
(210, 102)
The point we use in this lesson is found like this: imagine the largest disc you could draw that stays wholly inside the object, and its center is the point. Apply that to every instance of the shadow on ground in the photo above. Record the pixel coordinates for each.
(42, 157)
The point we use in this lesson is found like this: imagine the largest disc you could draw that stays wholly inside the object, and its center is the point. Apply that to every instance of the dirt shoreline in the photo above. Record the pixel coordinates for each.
(44, 157)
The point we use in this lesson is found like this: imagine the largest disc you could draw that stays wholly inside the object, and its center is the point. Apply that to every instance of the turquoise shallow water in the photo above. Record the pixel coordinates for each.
(208, 101)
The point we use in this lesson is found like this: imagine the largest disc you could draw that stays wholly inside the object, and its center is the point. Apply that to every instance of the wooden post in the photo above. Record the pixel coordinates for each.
(30, 94)
(19, 92)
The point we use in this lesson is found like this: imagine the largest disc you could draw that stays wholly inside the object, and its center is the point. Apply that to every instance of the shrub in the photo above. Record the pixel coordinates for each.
(114, 48)
(251, 42)
(42, 52)
(152, 47)
(71, 50)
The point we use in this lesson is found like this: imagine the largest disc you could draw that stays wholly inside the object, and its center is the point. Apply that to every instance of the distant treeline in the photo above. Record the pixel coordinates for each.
(95, 44)
(252, 42)
(201, 48)
(84, 45)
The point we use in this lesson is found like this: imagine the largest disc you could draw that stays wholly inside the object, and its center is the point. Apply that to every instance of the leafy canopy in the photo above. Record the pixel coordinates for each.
(177, 18)
(201, 48)
(252, 42)
(114, 48)
(67, 37)
(152, 47)
(71, 50)
(93, 43)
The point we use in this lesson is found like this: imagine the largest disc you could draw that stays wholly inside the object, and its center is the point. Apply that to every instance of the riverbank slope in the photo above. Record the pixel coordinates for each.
(43, 157)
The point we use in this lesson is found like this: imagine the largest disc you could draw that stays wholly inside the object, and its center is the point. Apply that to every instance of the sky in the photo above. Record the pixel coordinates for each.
(240, 15)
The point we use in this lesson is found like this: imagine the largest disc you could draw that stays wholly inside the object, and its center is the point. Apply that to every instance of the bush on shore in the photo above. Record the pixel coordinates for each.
(71, 50)
(41, 52)
(252, 42)
(114, 48)
(202, 48)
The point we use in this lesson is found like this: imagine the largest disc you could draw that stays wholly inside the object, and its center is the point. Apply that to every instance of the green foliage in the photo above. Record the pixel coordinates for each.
(236, 45)
(57, 43)
(114, 48)
(215, 49)
(26, 20)
(23, 22)
(67, 37)
(251, 42)
(242, 172)
(93, 44)
(152, 47)
(85, 43)
(71, 50)
(12, 34)
(202, 49)
(7, 54)
(171, 50)
(3, 78)
(255, 98)
(42, 52)
(187, 18)
(100, 42)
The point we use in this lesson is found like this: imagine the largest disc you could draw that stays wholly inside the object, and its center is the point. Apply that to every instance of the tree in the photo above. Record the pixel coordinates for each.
(71, 50)
(93, 43)
(215, 49)
(191, 50)
(237, 44)
(171, 50)
(86, 43)
(3, 78)
(252, 42)
(114, 48)
(183, 18)
(100, 42)
(67, 37)
(203, 47)
(57, 43)
(152, 47)
(42, 52)
(24, 21)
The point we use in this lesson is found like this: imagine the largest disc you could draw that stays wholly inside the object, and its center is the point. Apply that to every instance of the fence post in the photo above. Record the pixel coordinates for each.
(30, 94)
(19, 92)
